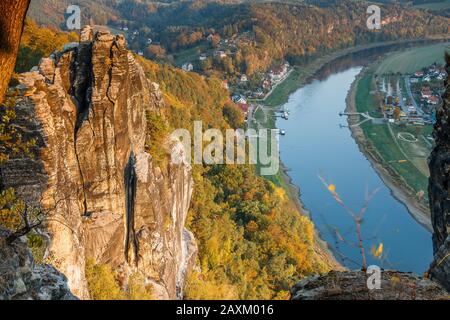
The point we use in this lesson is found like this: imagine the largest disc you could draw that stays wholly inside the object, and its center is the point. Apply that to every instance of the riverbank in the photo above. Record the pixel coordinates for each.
(299, 78)
(302, 75)
(399, 189)
(321, 247)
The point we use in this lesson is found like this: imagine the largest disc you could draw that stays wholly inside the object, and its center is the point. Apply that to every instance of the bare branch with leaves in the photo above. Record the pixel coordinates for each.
(356, 217)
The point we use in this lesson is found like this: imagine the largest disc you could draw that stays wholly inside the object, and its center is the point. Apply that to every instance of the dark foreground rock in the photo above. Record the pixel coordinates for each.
(439, 191)
(22, 279)
(353, 286)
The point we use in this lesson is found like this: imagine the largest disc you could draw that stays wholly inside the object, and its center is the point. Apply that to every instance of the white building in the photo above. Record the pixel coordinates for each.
(238, 99)
(187, 67)
(220, 54)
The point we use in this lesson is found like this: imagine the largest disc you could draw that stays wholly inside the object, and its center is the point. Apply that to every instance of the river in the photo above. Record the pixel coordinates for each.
(316, 145)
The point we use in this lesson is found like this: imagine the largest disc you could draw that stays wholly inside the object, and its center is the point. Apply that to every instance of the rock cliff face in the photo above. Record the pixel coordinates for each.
(107, 199)
(439, 191)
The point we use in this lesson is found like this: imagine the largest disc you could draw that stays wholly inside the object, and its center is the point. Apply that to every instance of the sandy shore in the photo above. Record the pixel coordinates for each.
(321, 248)
(399, 189)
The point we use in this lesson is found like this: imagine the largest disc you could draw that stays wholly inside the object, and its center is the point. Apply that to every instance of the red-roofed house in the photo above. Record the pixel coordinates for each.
(426, 93)
(434, 100)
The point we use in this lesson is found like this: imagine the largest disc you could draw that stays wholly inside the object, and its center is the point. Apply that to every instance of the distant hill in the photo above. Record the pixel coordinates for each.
(52, 12)
(258, 34)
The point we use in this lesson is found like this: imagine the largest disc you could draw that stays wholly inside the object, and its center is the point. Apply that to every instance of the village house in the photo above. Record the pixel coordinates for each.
(267, 84)
(433, 100)
(188, 67)
(403, 115)
(225, 84)
(279, 73)
(210, 38)
(412, 110)
(239, 99)
(244, 78)
(390, 20)
(202, 57)
(244, 108)
(426, 93)
(259, 93)
(221, 54)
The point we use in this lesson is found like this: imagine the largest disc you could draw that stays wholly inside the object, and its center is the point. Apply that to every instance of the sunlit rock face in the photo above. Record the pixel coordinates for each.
(439, 191)
(107, 199)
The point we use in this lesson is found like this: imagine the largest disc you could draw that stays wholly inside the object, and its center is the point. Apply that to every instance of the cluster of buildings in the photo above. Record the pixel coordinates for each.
(401, 110)
(271, 79)
(268, 81)
(415, 98)
(135, 36)
(242, 102)
(427, 87)
(241, 88)
(431, 73)
(222, 49)
(427, 96)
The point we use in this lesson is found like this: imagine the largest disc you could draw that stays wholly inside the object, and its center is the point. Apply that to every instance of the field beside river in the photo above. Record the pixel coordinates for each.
(411, 60)
(402, 164)
(408, 160)
(316, 144)
(403, 157)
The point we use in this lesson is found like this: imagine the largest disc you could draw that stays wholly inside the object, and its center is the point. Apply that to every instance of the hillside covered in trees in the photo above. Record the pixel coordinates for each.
(253, 34)
(253, 241)
(38, 42)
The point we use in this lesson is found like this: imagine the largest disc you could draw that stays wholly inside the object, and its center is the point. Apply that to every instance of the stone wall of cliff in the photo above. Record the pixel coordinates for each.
(107, 199)
(439, 190)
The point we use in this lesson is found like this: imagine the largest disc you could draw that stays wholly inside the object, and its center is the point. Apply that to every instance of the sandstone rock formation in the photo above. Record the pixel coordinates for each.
(22, 279)
(439, 191)
(108, 201)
